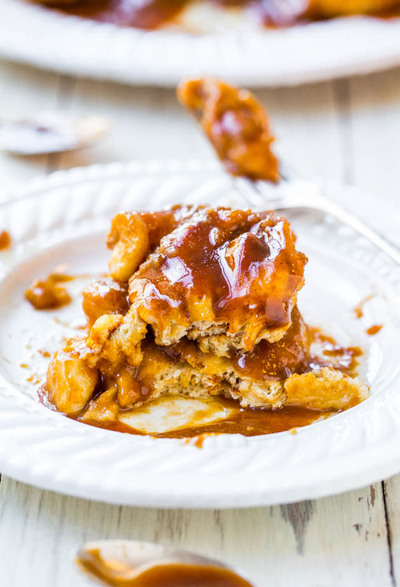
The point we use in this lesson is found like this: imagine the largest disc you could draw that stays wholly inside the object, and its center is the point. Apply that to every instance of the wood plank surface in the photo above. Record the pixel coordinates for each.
(330, 542)
(344, 130)
(22, 92)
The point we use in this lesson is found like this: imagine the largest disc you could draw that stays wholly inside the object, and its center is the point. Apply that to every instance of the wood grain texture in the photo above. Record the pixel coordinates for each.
(146, 124)
(374, 146)
(24, 91)
(346, 130)
(330, 542)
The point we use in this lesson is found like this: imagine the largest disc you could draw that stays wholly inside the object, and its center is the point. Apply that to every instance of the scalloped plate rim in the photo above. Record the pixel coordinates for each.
(195, 492)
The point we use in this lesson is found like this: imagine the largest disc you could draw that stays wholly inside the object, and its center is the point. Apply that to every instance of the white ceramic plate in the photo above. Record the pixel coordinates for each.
(241, 53)
(64, 220)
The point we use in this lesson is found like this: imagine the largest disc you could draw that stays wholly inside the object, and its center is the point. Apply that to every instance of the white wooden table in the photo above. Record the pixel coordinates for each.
(344, 130)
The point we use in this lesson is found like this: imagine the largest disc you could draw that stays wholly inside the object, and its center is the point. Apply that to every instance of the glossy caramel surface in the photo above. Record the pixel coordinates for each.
(267, 362)
(104, 296)
(372, 330)
(227, 266)
(158, 224)
(248, 422)
(236, 124)
(344, 359)
(49, 293)
(278, 360)
(209, 315)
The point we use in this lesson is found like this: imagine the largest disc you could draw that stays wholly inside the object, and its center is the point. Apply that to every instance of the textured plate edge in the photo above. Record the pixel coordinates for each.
(200, 501)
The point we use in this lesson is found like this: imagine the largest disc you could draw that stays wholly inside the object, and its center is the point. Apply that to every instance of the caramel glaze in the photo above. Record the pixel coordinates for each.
(248, 422)
(268, 361)
(278, 360)
(152, 14)
(158, 224)
(49, 294)
(344, 359)
(161, 575)
(5, 240)
(255, 422)
(374, 329)
(359, 309)
(240, 262)
(104, 296)
(236, 124)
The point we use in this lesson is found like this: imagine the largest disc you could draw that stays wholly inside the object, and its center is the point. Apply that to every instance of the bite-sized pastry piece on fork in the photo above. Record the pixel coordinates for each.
(234, 147)
(237, 125)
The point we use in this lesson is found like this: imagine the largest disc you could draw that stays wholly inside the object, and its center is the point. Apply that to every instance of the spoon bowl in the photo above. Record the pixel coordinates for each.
(50, 132)
(145, 564)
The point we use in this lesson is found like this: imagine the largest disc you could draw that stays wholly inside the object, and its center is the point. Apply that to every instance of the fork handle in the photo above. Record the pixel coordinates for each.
(289, 173)
(260, 194)
(342, 215)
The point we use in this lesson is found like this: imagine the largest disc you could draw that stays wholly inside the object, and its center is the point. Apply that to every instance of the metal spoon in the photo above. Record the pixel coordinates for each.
(50, 132)
(135, 564)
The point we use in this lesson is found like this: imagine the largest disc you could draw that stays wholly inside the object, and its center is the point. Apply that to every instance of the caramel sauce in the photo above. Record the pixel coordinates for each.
(238, 262)
(203, 311)
(33, 379)
(197, 441)
(254, 422)
(359, 309)
(268, 361)
(248, 422)
(159, 223)
(153, 14)
(104, 296)
(374, 329)
(63, 277)
(344, 359)
(5, 240)
(280, 359)
(117, 574)
(48, 294)
(236, 124)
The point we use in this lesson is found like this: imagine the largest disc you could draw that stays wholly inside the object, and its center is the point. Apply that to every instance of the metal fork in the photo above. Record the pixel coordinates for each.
(303, 194)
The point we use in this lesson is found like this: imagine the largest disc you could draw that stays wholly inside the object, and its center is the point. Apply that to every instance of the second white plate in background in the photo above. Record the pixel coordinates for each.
(248, 56)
